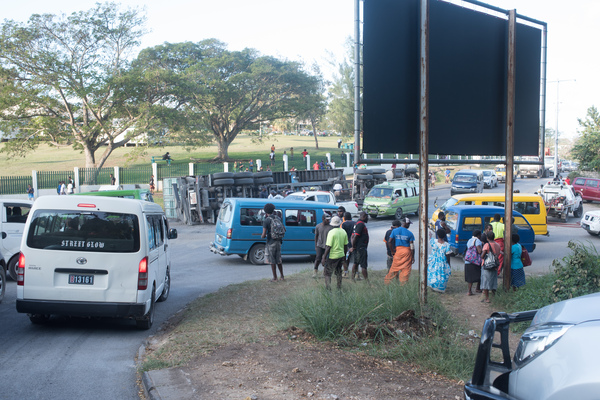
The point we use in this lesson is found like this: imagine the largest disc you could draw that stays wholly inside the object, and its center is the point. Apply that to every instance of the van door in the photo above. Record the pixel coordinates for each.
(14, 216)
(157, 267)
(300, 230)
(592, 191)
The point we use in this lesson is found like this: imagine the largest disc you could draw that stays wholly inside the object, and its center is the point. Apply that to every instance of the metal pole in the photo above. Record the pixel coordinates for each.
(424, 152)
(357, 107)
(543, 78)
(556, 134)
(510, 150)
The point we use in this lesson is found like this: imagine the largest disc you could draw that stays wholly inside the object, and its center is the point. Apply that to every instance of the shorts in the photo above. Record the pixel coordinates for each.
(273, 252)
(360, 257)
(334, 266)
(320, 251)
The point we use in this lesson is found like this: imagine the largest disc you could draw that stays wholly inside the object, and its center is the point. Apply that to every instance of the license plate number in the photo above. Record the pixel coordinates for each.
(81, 279)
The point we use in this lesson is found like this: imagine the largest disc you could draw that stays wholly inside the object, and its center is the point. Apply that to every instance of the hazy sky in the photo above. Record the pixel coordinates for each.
(311, 30)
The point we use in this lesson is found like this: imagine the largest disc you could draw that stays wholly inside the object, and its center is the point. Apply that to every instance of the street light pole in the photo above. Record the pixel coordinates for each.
(558, 81)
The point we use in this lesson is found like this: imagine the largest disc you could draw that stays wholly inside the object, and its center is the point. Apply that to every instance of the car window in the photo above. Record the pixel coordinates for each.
(16, 212)
(294, 217)
(252, 216)
(323, 198)
(449, 203)
(591, 183)
(94, 231)
(471, 223)
(527, 207)
(579, 181)
(225, 212)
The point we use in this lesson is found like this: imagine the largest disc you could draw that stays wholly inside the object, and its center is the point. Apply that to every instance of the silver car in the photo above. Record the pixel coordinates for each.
(490, 179)
(557, 356)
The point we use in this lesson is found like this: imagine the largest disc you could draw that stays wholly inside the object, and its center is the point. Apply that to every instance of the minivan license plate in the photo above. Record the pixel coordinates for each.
(81, 279)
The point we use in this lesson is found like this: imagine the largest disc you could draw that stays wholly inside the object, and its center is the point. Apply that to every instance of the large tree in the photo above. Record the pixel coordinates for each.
(587, 146)
(67, 81)
(224, 92)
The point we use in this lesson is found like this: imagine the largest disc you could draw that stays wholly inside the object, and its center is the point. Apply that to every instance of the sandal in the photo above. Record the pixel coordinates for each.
(272, 280)
(469, 294)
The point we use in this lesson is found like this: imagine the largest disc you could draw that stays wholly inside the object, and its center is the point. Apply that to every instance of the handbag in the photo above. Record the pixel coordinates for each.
(490, 261)
(525, 259)
(473, 256)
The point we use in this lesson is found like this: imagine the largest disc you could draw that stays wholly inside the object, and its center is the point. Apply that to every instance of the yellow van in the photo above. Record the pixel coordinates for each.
(530, 205)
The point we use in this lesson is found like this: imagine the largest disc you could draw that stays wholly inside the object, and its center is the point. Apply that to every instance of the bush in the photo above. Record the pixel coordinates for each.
(578, 273)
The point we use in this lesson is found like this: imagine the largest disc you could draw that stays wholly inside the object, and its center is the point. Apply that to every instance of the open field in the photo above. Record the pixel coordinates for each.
(48, 158)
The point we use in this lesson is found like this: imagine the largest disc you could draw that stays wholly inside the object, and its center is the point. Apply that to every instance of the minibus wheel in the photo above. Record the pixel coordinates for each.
(147, 320)
(257, 254)
(167, 287)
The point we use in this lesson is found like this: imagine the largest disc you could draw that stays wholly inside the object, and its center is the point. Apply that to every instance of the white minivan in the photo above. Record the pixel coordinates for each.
(13, 215)
(94, 257)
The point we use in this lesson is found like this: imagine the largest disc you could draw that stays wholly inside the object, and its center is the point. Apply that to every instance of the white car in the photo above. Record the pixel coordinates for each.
(557, 356)
(591, 222)
(490, 179)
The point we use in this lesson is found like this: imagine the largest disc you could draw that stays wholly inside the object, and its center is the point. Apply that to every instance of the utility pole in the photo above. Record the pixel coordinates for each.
(558, 81)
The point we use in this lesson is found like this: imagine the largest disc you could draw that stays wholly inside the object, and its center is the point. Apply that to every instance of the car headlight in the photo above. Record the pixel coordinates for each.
(537, 340)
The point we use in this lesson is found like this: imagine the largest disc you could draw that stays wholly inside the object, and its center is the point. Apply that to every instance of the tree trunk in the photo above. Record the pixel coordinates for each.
(312, 122)
(223, 146)
(90, 157)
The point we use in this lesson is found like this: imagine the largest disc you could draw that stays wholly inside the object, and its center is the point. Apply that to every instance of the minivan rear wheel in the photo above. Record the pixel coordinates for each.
(257, 254)
(147, 320)
(12, 267)
(167, 287)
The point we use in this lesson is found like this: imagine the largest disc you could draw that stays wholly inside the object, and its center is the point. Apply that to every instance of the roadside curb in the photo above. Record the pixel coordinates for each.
(150, 389)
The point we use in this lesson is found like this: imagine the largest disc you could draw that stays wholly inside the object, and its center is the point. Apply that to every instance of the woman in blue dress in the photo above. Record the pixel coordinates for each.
(438, 262)
(516, 264)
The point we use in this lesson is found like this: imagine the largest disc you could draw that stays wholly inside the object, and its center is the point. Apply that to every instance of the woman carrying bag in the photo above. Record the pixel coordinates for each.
(473, 262)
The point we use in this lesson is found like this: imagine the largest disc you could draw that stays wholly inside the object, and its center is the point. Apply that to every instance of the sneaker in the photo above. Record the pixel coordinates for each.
(345, 274)
(358, 277)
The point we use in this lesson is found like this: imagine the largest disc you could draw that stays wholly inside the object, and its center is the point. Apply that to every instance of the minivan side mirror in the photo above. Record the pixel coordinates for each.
(172, 233)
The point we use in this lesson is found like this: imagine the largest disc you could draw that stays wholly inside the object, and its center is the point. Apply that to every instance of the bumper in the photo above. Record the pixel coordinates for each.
(81, 308)
(591, 228)
(217, 249)
(490, 378)
(379, 211)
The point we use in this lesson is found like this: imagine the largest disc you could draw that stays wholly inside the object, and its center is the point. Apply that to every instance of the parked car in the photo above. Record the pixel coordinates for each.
(463, 220)
(467, 181)
(490, 179)
(13, 215)
(529, 204)
(589, 188)
(239, 227)
(556, 358)
(591, 222)
(393, 198)
(87, 256)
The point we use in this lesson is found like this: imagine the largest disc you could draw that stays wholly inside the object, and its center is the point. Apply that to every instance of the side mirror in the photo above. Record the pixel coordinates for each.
(172, 233)
(435, 203)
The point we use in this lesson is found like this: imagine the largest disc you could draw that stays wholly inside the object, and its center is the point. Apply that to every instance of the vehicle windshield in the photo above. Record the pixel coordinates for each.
(380, 193)
(449, 203)
(500, 169)
(93, 231)
(451, 219)
(464, 178)
(487, 173)
(295, 197)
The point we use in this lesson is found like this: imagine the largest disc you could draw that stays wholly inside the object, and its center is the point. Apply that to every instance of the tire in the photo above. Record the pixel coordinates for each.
(379, 176)
(364, 177)
(378, 170)
(363, 172)
(2, 282)
(147, 320)
(257, 254)
(244, 181)
(223, 182)
(399, 214)
(12, 267)
(579, 212)
(373, 216)
(262, 181)
(39, 319)
(263, 174)
(222, 175)
(167, 288)
(239, 175)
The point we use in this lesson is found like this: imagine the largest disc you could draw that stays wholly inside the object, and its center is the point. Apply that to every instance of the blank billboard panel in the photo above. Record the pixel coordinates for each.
(467, 72)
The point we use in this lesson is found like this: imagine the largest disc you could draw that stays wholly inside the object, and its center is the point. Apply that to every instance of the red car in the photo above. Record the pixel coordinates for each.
(588, 187)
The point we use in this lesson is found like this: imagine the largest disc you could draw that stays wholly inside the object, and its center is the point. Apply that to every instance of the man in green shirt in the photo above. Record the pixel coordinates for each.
(498, 229)
(335, 252)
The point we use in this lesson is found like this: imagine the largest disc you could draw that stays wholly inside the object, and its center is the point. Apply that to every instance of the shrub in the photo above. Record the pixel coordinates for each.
(578, 273)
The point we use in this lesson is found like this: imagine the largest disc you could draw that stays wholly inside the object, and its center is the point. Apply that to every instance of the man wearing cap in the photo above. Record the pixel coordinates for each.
(404, 253)
(335, 252)
(390, 245)
(320, 239)
(348, 226)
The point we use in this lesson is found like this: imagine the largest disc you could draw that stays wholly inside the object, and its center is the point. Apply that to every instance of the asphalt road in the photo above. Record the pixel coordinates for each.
(95, 359)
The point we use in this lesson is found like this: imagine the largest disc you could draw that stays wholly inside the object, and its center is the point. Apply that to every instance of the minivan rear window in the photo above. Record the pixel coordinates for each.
(94, 231)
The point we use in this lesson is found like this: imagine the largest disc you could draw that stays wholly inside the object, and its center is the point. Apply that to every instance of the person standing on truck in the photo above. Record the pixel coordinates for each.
(360, 242)
(321, 232)
(404, 254)
(336, 246)
(273, 245)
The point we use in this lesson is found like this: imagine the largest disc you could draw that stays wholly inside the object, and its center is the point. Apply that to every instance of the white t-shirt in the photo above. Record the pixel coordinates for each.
(70, 188)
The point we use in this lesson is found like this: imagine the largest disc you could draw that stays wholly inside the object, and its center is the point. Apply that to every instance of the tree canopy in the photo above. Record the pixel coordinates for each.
(67, 81)
(587, 146)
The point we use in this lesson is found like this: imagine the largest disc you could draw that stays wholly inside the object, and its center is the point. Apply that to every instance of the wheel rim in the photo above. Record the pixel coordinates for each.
(398, 213)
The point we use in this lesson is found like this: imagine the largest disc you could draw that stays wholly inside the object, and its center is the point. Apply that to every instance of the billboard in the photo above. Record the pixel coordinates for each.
(468, 53)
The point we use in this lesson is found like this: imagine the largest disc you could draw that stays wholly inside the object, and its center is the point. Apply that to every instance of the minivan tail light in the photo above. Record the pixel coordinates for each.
(21, 270)
(456, 238)
(229, 232)
(143, 274)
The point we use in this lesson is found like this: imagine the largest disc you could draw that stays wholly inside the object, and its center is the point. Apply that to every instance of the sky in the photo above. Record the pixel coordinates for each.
(315, 31)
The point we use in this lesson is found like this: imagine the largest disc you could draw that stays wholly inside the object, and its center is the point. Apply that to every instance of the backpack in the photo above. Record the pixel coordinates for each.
(472, 256)
(490, 261)
(277, 229)
(525, 259)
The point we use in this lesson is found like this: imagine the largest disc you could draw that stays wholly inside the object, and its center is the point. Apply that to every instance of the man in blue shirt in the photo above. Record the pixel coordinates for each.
(404, 253)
